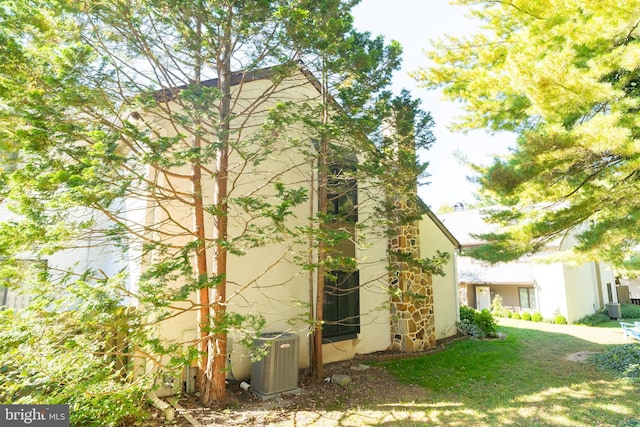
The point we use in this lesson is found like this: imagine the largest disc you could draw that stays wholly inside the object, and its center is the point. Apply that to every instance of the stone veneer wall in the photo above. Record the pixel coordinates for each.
(412, 317)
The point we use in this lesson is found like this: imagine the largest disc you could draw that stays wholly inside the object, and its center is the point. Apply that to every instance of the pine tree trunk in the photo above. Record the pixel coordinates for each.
(213, 388)
(317, 367)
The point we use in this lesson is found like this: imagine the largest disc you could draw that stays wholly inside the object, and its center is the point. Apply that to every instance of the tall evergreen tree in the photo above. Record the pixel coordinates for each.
(119, 107)
(564, 77)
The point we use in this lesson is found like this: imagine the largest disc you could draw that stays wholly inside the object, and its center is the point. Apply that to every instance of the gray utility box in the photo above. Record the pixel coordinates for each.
(614, 310)
(277, 372)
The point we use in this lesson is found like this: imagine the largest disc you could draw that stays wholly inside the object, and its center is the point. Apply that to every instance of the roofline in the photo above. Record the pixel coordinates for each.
(237, 78)
(439, 224)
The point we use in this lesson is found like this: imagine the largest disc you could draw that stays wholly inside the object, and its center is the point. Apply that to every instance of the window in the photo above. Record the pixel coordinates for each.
(342, 195)
(527, 298)
(341, 311)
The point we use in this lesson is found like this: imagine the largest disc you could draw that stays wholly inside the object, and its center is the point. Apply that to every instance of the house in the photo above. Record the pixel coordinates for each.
(532, 283)
(266, 279)
(434, 236)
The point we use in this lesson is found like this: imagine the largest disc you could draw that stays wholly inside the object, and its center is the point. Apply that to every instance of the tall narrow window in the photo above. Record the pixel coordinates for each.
(341, 312)
(342, 195)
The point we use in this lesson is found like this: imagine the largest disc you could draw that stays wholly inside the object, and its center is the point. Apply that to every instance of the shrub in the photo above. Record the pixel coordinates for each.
(467, 314)
(536, 317)
(560, 320)
(593, 319)
(47, 358)
(479, 324)
(515, 315)
(623, 360)
(486, 324)
(525, 315)
(630, 311)
(497, 309)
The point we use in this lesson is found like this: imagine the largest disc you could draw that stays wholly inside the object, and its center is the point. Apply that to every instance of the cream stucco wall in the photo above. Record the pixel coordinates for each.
(267, 280)
(445, 288)
(586, 284)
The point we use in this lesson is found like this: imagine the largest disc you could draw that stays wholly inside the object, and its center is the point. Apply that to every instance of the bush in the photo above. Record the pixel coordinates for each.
(593, 319)
(560, 320)
(515, 315)
(497, 309)
(47, 358)
(623, 360)
(537, 317)
(525, 315)
(479, 324)
(467, 314)
(630, 311)
(486, 323)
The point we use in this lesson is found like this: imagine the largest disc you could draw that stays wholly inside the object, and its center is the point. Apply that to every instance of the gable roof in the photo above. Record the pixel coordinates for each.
(439, 224)
(466, 222)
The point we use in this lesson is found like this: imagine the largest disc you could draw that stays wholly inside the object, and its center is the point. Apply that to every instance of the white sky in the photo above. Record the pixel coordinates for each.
(414, 23)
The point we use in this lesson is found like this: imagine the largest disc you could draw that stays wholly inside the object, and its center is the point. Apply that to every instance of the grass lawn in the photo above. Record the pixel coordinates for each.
(522, 380)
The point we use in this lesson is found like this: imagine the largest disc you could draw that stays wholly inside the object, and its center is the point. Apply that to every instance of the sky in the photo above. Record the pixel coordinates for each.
(414, 23)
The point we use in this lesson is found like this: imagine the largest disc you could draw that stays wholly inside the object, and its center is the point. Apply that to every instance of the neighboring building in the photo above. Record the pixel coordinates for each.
(628, 290)
(529, 283)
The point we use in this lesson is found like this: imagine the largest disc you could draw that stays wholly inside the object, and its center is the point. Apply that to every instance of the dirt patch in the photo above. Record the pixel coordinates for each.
(580, 356)
(367, 387)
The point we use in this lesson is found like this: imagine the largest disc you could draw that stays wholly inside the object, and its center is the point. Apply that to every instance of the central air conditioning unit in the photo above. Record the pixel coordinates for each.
(614, 310)
(277, 372)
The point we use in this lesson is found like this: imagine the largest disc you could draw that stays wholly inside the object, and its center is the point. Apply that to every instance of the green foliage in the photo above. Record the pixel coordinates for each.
(122, 148)
(479, 324)
(467, 314)
(561, 76)
(630, 311)
(497, 309)
(525, 315)
(593, 319)
(536, 317)
(74, 358)
(560, 320)
(623, 360)
(515, 315)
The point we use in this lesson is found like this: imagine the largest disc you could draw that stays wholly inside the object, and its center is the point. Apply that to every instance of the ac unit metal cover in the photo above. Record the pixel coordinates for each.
(614, 310)
(277, 372)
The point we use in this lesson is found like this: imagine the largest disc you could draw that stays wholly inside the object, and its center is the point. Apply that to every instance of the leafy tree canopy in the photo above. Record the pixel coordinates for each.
(565, 76)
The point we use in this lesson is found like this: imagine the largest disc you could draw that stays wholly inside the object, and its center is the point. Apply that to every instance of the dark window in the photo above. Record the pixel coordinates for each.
(527, 298)
(342, 195)
(341, 311)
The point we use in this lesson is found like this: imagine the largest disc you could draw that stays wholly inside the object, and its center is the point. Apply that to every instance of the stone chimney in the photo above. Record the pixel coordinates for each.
(411, 305)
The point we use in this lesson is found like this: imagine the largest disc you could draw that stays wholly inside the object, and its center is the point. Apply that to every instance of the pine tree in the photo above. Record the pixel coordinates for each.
(564, 77)
(118, 109)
